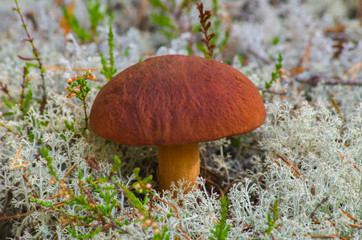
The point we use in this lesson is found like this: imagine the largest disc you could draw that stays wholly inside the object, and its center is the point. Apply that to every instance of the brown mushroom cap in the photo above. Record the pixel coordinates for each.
(176, 99)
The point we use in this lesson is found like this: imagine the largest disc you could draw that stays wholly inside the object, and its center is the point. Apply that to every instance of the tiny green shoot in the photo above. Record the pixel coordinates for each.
(221, 230)
(272, 220)
(108, 72)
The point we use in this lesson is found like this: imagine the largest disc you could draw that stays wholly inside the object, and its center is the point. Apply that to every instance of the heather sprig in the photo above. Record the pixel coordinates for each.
(204, 17)
(78, 87)
(96, 200)
(94, 204)
(276, 74)
(39, 65)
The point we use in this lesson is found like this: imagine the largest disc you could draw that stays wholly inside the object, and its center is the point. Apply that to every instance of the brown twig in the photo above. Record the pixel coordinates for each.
(355, 226)
(317, 78)
(186, 236)
(354, 165)
(70, 170)
(349, 215)
(294, 174)
(322, 236)
(290, 164)
(271, 91)
(217, 186)
(319, 204)
(172, 206)
(227, 188)
(28, 213)
(15, 159)
(306, 56)
(336, 107)
(260, 56)
(352, 71)
(55, 68)
(209, 172)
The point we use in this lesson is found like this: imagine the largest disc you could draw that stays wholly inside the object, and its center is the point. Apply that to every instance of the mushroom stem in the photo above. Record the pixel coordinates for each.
(178, 162)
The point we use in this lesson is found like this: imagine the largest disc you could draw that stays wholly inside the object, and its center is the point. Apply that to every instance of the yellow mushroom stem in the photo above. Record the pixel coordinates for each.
(176, 162)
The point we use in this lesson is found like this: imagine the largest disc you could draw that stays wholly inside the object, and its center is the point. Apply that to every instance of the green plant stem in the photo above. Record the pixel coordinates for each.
(85, 112)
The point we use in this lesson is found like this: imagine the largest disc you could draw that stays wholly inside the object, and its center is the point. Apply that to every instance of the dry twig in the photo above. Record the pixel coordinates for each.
(349, 215)
(317, 78)
(352, 71)
(319, 204)
(15, 159)
(290, 164)
(336, 107)
(205, 25)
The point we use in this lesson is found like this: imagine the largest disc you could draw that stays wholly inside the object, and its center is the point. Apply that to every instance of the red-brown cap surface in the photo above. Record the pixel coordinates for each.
(176, 99)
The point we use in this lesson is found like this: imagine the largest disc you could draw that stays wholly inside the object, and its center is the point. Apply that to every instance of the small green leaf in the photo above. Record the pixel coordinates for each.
(162, 20)
(117, 164)
(158, 4)
(102, 180)
(68, 125)
(276, 40)
(135, 201)
(29, 64)
(27, 101)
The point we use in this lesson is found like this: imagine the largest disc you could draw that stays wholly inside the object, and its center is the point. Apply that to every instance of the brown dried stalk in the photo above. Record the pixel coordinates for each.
(336, 107)
(205, 25)
(319, 204)
(4, 88)
(29, 213)
(290, 164)
(15, 159)
(349, 215)
(316, 79)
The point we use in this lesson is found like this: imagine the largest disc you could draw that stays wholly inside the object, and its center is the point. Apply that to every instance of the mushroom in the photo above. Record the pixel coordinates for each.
(175, 102)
